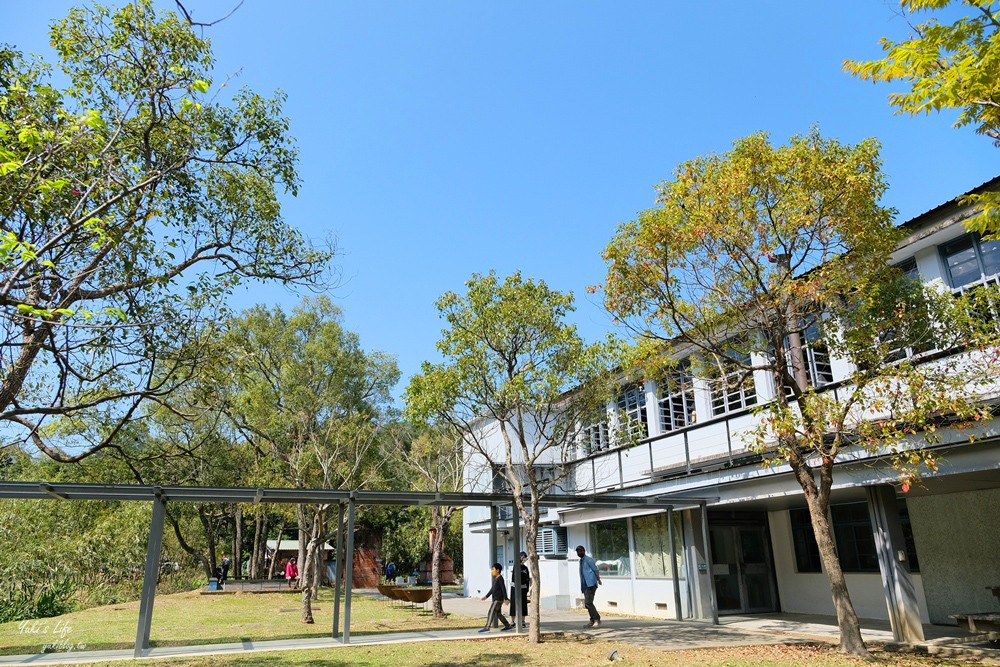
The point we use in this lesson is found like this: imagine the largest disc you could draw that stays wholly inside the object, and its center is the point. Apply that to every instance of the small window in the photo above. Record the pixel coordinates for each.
(815, 354)
(733, 388)
(595, 437)
(632, 419)
(969, 260)
(804, 541)
(675, 398)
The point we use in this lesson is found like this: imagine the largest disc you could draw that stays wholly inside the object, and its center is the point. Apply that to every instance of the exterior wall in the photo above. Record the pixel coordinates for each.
(809, 592)
(958, 543)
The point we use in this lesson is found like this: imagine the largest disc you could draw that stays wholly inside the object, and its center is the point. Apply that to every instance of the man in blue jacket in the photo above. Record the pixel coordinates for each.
(590, 579)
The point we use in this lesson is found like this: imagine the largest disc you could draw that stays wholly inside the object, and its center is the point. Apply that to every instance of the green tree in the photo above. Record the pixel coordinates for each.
(757, 258)
(948, 66)
(510, 363)
(310, 398)
(435, 462)
(133, 199)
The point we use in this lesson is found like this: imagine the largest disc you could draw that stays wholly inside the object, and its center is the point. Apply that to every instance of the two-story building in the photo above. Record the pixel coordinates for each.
(940, 540)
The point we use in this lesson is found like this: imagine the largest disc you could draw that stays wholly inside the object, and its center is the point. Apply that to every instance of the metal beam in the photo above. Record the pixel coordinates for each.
(153, 547)
(337, 577)
(708, 559)
(673, 565)
(349, 571)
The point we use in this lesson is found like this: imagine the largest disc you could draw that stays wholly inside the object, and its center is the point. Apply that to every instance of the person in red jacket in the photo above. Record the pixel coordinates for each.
(292, 573)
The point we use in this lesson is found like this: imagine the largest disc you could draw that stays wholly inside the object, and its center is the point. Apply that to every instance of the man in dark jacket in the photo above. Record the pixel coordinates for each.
(498, 591)
(519, 599)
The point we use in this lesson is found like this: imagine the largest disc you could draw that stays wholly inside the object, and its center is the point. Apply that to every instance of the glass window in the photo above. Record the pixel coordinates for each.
(970, 259)
(733, 388)
(804, 541)
(652, 546)
(855, 539)
(675, 398)
(634, 422)
(609, 547)
(815, 354)
(595, 437)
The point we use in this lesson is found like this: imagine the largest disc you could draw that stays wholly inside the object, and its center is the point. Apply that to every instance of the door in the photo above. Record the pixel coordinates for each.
(741, 569)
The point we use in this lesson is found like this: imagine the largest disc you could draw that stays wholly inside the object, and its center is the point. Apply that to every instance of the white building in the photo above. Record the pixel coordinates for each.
(928, 553)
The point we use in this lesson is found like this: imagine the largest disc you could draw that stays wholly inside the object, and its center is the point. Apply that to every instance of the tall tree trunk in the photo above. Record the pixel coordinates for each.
(274, 558)
(818, 501)
(256, 558)
(238, 542)
(209, 529)
(440, 518)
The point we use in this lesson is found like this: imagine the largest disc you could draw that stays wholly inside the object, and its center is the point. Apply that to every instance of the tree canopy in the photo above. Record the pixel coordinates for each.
(135, 194)
(948, 66)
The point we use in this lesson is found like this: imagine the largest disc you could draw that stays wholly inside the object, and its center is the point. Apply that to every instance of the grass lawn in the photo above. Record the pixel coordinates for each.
(564, 652)
(190, 618)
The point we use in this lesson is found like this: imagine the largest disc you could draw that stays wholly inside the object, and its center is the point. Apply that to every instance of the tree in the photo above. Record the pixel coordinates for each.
(756, 259)
(948, 66)
(510, 363)
(308, 397)
(133, 199)
(436, 461)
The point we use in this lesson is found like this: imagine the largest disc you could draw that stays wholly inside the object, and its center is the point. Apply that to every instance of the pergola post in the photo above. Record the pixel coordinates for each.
(708, 560)
(673, 564)
(349, 569)
(897, 584)
(338, 551)
(516, 525)
(151, 574)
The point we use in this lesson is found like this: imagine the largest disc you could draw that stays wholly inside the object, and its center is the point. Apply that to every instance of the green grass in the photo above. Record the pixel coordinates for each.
(565, 652)
(190, 618)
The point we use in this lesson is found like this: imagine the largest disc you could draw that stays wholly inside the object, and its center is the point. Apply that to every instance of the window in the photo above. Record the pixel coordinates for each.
(652, 546)
(675, 398)
(632, 418)
(804, 541)
(852, 530)
(595, 437)
(920, 340)
(970, 259)
(733, 389)
(815, 354)
(609, 547)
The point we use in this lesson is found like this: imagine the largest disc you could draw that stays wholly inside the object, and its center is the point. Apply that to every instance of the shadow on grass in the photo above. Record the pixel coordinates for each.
(482, 660)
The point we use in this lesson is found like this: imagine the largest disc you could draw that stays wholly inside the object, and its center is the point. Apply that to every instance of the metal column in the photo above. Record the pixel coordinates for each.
(516, 570)
(150, 576)
(349, 570)
(493, 535)
(338, 550)
(708, 560)
(890, 547)
(673, 564)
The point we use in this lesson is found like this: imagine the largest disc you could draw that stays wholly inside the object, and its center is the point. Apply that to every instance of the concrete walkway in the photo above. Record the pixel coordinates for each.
(733, 631)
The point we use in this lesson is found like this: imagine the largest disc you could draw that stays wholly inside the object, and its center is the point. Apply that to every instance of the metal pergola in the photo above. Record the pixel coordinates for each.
(347, 502)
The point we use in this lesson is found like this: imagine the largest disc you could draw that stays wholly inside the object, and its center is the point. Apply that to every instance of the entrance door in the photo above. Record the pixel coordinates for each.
(741, 568)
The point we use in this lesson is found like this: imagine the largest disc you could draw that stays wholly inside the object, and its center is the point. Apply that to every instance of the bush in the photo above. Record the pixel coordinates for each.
(22, 601)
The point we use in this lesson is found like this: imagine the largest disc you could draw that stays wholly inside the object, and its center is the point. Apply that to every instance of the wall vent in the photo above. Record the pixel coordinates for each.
(551, 541)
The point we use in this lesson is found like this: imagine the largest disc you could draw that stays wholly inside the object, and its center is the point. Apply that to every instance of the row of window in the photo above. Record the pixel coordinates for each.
(969, 260)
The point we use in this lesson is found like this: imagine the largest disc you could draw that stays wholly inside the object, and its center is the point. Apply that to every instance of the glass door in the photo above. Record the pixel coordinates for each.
(741, 569)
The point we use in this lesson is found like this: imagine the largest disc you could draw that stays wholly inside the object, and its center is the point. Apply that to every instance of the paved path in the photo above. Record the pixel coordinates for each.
(653, 633)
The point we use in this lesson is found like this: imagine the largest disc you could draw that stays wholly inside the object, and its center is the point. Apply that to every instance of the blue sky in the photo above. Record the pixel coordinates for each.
(439, 139)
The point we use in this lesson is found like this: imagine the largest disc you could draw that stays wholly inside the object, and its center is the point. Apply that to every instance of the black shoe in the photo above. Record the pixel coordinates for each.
(509, 627)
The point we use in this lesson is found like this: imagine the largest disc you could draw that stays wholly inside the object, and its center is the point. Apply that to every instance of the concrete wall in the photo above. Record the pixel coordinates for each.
(958, 544)
(809, 592)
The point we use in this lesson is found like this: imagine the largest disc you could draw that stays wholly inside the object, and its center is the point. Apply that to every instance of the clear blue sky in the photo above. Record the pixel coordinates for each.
(439, 139)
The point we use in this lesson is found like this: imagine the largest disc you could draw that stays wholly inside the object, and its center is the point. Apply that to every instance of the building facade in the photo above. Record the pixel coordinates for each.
(914, 557)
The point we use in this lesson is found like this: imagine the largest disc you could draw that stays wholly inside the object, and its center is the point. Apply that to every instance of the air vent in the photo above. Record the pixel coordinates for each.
(551, 541)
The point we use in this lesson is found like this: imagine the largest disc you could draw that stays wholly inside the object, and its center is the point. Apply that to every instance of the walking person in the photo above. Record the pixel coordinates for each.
(226, 564)
(498, 591)
(519, 599)
(590, 579)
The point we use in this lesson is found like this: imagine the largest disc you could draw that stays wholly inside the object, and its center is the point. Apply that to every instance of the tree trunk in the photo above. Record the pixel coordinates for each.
(307, 573)
(440, 518)
(206, 524)
(238, 542)
(818, 501)
(277, 546)
(256, 557)
(534, 605)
